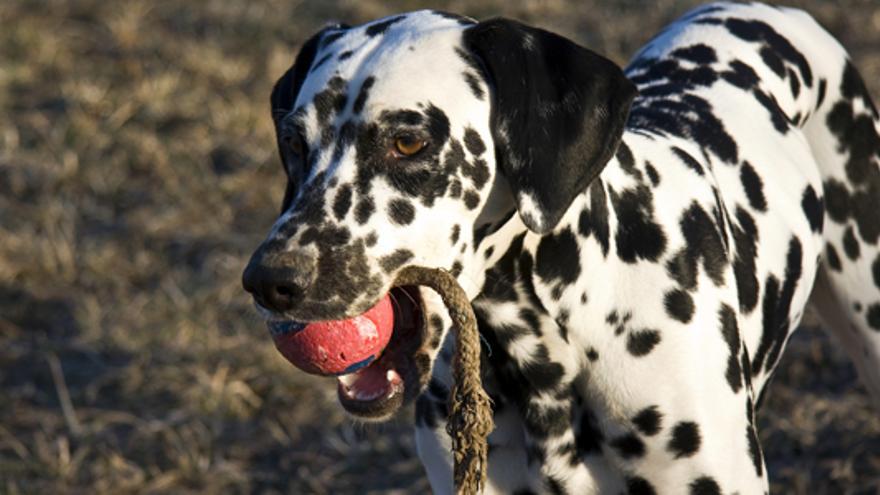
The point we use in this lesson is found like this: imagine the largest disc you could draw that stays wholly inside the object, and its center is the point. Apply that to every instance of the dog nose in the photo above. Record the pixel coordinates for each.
(278, 280)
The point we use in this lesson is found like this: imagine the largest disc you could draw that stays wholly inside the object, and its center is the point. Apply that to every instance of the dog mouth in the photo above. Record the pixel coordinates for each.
(375, 388)
(379, 389)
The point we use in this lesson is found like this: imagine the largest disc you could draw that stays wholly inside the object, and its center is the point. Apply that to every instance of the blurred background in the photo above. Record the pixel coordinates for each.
(137, 172)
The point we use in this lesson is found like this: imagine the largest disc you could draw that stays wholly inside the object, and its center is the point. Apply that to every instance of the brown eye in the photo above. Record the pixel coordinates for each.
(408, 145)
(296, 145)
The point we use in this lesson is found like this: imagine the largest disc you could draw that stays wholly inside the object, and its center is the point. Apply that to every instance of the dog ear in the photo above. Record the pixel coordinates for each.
(558, 113)
(287, 88)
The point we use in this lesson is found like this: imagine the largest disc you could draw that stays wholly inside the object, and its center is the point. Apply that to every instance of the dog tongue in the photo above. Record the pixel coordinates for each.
(336, 347)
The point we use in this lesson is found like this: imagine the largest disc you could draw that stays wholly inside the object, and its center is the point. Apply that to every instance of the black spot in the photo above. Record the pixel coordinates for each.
(856, 135)
(820, 97)
(832, 258)
(745, 237)
(473, 82)
(873, 316)
(741, 75)
(629, 446)
(395, 260)
(456, 231)
(837, 200)
(704, 241)
(794, 83)
(558, 257)
(342, 203)
(730, 332)
(401, 211)
(381, 26)
(705, 485)
(612, 318)
(875, 271)
(772, 60)
(363, 94)
(327, 236)
(688, 160)
(652, 174)
(648, 420)
(403, 118)
(627, 161)
(636, 485)
(719, 211)
(757, 31)
(592, 354)
(641, 342)
(777, 116)
(595, 219)
(331, 100)
(683, 269)
(371, 239)
(344, 55)
(321, 62)
(545, 421)
(364, 210)
(455, 188)
(857, 307)
(813, 208)
(699, 54)
(709, 21)
(438, 125)
(776, 310)
(690, 117)
(679, 305)
(638, 235)
(471, 199)
(497, 285)
(473, 142)
(685, 440)
(850, 244)
(753, 186)
(754, 448)
(455, 271)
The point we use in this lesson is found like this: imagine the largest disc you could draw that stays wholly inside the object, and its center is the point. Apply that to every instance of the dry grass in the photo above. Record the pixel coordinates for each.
(138, 170)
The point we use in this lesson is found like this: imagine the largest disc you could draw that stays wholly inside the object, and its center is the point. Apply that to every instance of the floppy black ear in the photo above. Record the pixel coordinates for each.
(557, 116)
(287, 88)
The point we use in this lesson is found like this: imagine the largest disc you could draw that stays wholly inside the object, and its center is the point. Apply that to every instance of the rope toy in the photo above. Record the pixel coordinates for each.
(470, 417)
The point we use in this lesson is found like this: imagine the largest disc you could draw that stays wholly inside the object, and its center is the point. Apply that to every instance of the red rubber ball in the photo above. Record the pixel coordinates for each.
(339, 347)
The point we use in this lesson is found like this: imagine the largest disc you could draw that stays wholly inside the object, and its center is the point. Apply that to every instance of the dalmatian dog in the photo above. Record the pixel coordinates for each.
(637, 244)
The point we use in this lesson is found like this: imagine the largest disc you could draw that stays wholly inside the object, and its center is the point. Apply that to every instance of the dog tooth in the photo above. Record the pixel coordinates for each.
(347, 380)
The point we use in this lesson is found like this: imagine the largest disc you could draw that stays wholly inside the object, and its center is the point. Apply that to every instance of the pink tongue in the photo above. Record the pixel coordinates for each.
(337, 347)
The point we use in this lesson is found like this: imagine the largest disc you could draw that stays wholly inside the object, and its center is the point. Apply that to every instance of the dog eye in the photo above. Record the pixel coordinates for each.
(408, 145)
(296, 145)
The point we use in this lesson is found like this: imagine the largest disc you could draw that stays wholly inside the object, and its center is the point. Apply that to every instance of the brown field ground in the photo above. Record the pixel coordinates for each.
(137, 173)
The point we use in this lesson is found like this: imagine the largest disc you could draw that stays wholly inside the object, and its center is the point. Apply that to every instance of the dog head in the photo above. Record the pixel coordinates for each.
(403, 137)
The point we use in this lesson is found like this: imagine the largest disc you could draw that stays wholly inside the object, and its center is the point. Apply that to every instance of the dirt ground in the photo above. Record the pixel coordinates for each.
(137, 173)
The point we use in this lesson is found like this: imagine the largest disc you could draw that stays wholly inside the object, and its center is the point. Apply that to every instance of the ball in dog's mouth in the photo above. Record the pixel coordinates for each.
(371, 354)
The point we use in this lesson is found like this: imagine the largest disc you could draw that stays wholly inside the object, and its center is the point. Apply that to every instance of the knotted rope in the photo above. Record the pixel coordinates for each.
(470, 415)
